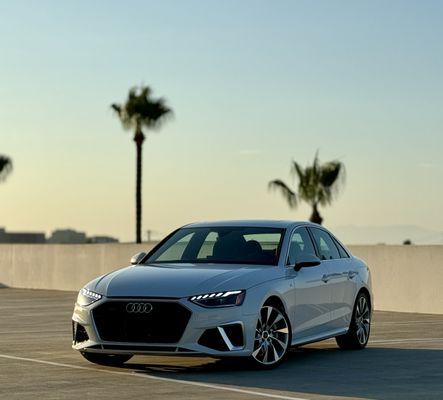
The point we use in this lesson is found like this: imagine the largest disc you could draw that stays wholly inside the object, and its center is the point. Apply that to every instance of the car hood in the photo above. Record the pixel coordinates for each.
(180, 280)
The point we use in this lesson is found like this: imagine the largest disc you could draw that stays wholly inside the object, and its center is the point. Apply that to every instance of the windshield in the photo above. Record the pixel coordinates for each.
(221, 245)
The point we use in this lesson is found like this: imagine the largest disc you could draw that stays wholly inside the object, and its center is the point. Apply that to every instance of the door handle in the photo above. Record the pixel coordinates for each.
(325, 278)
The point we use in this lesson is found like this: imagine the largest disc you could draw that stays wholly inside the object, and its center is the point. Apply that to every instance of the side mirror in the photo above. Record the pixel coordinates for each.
(308, 260)
(137, 258)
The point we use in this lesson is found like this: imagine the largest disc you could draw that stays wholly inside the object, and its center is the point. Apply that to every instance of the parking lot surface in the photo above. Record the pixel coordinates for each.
(404, 360)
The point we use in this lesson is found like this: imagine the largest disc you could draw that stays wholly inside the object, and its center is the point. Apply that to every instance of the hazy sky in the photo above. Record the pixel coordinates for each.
(253, 85)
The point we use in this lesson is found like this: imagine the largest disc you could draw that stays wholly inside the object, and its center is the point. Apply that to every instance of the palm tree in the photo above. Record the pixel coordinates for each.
(318, 184)
(5, 167)
(141, 111)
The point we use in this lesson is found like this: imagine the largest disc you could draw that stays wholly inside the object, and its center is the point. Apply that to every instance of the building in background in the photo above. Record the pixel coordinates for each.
(65, 236)
(71, 236)
(58, 236)
(21, 237)
(102, 239)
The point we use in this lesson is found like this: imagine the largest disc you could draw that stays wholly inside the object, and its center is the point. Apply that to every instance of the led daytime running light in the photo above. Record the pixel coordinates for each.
(91, 294)
(212, 295)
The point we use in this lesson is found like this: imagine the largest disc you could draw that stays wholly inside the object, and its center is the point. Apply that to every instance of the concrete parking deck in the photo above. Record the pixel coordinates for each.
(403, 361)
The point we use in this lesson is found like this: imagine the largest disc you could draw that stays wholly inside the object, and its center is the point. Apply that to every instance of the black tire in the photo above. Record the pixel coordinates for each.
(277, 337)
(107, 359)
(360, 327)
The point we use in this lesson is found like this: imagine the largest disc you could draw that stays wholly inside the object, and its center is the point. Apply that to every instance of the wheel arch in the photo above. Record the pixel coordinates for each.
(367, 293)
(277, 302)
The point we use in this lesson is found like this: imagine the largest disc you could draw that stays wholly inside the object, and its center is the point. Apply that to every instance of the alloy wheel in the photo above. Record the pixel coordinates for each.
(362, 320)
(271, 336)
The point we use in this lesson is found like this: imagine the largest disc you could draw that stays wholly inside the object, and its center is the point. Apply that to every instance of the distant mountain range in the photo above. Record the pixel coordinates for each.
(394, 234)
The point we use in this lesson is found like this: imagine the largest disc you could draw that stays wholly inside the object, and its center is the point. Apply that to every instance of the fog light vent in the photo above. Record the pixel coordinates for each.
(79, 333)
(235, 334)
(212, 338)
(223, 338)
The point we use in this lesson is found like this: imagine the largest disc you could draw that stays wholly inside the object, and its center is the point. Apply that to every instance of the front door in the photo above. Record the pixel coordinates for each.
(311, 312)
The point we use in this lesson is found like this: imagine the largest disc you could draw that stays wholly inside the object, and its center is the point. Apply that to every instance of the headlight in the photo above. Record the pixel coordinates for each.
(86, 297)
(220, 299)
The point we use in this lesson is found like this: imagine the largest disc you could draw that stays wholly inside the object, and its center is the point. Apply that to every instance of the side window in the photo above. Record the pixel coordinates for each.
(301, 244)
(341, 250)
(325, 244)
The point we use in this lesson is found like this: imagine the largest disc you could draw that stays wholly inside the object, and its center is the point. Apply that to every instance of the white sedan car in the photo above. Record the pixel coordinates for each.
(245, 289)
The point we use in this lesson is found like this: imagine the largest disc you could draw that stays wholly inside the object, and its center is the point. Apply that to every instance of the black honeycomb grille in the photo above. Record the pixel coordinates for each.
(165, 323)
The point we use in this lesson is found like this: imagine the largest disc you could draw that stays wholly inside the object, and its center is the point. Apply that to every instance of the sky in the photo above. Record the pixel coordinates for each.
(253, 85)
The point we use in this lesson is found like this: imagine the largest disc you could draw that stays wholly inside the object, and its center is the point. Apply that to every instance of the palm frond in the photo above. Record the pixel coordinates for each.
(155, 114)
(317, 183)
(297, 170)
(141, 110)
(125, 119)
(307, 185)
(331, 172)
(5, 167)
(287, 193)
(316, 163)
(117, 108)
(331, 177)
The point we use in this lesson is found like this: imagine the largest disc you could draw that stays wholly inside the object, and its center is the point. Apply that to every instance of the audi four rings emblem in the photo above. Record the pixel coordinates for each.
(138, 308)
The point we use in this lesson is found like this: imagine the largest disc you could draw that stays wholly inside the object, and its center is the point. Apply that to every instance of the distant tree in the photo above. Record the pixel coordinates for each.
(318, 184)
(5, 167)
(141, 111)
(407, 242)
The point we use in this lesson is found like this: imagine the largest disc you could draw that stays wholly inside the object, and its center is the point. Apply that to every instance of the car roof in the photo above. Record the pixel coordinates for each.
(265, 223)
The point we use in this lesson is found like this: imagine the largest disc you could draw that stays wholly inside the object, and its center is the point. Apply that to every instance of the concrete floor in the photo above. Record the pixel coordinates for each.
(403, 361)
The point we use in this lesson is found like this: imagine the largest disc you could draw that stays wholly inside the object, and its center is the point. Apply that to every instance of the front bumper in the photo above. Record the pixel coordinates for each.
(203, 322)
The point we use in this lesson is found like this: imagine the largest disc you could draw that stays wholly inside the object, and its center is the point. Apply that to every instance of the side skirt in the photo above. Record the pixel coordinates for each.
(318, 338)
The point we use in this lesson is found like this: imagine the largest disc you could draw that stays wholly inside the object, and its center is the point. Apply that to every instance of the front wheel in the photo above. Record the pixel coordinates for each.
(107, 359)
(272, 337)
(358, 335)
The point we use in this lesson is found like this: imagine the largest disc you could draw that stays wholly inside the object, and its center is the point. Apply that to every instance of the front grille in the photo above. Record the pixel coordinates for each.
(164, 323)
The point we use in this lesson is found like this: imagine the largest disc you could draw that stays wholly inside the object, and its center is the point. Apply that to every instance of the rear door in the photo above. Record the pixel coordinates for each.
(343, 314)
(311, 313)
(337, 277)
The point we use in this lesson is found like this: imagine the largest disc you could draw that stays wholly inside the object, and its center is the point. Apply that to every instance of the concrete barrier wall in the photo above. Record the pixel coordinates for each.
(62, 266)
(405, 278)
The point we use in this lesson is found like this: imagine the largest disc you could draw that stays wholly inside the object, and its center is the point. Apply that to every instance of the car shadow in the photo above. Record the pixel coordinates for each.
(376, 373)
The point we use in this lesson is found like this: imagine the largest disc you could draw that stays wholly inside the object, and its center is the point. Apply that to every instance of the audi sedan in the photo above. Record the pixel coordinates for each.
(248, 289)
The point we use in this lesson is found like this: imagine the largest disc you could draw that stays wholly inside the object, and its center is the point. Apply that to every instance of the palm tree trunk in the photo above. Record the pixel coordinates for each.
(139, 138)
(315, 216)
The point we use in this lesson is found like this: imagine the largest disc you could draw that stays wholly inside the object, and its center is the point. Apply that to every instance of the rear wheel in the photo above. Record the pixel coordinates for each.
(358, 335)
(107, 359)
(272, 337)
